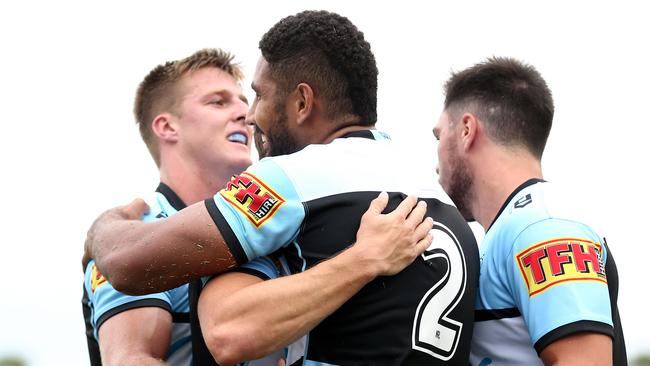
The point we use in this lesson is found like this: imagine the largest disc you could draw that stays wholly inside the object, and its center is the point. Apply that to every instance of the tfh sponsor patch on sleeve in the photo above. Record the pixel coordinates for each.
(552, 262)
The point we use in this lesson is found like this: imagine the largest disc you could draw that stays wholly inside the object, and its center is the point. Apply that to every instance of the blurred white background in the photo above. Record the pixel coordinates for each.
(69, 70)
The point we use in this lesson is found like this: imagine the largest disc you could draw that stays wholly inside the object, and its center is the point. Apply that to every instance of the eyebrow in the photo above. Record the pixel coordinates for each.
(227, 93)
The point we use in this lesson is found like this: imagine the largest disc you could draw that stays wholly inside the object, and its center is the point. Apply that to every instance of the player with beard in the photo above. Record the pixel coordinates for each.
(548, 284)
(317, 110)
(191, 115)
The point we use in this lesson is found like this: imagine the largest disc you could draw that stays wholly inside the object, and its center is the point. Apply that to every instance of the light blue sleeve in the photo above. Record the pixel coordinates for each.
(105, 301)
(261, 208)
(556, 272)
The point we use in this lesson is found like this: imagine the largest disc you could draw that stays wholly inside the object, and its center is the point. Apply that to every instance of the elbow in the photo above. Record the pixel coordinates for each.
(228, 345)
(115, 269)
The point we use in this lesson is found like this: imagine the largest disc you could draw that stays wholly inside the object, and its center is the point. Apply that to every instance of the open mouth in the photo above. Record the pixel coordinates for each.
(238, 137)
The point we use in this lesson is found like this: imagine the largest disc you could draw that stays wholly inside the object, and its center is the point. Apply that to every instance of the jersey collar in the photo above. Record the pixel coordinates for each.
(171, 196)
(367, 134)
(523, 185)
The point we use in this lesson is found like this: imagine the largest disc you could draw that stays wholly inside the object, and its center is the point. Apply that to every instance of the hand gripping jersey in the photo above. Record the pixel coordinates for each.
(101, 301)
(310, 203)
(543, 276)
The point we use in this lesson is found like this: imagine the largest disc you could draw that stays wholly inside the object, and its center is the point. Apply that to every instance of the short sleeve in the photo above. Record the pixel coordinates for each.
(258, 212)
(106, 301)
(263, 267)
(557, 276)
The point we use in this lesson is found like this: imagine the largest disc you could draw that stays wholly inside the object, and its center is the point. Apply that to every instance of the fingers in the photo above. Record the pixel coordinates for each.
(417, 215)
(423, 228)
(423, 244)
(136, 209)
(281, 362)
(378, 205)
(406, 206)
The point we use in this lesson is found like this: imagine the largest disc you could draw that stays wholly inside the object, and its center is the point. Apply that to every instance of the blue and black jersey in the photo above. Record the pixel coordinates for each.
(544, 275)
(309, 204)
(101, 301)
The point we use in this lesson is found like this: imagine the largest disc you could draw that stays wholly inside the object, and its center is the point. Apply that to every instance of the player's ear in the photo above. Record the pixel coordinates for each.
(303, 102)
(470, 127)
(165, 127)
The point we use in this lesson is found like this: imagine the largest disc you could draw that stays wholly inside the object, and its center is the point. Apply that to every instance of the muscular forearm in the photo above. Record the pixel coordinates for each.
(259, 319)
(140, 258)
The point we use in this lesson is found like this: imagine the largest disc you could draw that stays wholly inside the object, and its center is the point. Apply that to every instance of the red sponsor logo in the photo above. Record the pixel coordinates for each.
(556, 261)
(252, 197)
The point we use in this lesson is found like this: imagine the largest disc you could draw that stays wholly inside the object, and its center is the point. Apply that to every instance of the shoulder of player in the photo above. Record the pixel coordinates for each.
(159, 207)
(538, 205)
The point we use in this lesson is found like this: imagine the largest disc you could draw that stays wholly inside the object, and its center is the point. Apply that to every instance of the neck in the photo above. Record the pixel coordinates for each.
(496, 179)
(192, 182)
(344, 130)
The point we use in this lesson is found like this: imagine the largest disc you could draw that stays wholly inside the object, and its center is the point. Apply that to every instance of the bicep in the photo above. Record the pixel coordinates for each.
(218, 291)
(135, 333)
(579, 349)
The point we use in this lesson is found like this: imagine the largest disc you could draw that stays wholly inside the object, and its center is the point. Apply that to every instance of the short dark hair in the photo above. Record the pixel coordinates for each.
(329, 53)
(510, 96)
(157, 92)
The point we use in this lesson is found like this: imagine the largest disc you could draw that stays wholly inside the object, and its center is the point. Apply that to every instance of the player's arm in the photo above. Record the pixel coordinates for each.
(579, 349)
(138, 257)
(565, 292)
(138, 336)
(244, 317)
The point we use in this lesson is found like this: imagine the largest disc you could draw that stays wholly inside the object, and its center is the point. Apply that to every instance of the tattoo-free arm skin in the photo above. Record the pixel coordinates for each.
(140, 258)
(138, 336)
(579, 349)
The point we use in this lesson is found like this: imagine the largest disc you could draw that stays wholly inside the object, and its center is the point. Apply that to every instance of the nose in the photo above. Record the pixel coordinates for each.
(240, 112)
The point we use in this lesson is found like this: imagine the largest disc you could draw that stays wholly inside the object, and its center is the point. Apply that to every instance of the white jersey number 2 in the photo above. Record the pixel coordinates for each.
(433, 331)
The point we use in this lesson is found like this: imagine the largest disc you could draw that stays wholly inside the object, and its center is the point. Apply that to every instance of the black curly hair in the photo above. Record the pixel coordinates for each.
(329, 53)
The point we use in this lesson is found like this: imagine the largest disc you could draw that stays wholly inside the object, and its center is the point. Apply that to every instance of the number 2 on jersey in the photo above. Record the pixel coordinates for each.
(434, 332)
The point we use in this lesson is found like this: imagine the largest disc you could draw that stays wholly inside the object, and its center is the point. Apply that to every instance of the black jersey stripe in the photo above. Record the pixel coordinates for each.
(226, 232)
(144, 303)
(330, 226)
(619, 351)
(93, 345)
(251, 271)
(180, 317)
(201, 355)
(494, 314)
(171, 196)
(571, 328)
